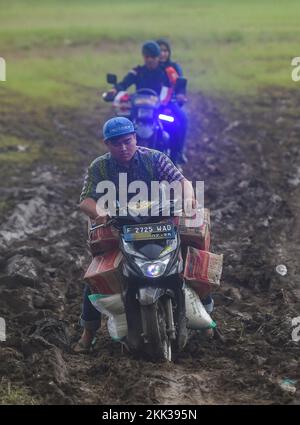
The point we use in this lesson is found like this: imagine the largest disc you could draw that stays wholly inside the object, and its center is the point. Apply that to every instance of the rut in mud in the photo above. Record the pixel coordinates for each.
(249, 160)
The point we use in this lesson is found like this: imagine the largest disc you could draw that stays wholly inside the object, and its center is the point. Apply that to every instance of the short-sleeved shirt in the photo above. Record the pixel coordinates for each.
(147, 165)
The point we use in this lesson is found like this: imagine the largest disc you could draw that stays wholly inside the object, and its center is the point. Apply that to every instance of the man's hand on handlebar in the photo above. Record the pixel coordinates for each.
(190, 206)
(109, 95)
(101, 219)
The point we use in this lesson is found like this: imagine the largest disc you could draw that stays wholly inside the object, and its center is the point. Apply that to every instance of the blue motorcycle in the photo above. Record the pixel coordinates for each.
(152, 121)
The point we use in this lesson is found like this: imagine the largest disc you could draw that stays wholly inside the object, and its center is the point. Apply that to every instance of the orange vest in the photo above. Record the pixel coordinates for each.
(172, 75)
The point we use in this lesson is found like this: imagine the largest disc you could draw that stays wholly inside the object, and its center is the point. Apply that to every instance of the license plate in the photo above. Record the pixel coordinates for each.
(148, 232)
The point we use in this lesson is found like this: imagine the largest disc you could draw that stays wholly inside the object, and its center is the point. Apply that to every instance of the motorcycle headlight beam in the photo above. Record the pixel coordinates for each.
(164, 117)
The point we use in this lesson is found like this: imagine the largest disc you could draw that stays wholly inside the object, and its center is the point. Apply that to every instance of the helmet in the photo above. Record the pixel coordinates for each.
(116, 127)
(151, 48)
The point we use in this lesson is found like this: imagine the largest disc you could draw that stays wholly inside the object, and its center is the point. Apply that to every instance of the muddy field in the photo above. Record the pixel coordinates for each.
(247, 152)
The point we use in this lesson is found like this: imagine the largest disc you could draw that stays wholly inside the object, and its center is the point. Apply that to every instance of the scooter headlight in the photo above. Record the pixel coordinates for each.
(167, 118)
(152, 269)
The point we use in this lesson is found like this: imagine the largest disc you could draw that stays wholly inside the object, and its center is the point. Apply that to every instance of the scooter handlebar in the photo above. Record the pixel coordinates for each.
(109, 222)
(108, 97)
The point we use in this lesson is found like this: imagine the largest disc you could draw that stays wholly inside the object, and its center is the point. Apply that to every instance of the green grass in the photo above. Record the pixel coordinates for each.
(15, 396)
(56, 50)
(16, 156)
(13, 149)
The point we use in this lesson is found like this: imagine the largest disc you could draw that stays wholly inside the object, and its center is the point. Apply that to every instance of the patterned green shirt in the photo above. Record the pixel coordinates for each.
(147, 165)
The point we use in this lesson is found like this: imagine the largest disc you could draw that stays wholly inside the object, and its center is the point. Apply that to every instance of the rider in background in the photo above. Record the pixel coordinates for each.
(173, 71)
(148, 76)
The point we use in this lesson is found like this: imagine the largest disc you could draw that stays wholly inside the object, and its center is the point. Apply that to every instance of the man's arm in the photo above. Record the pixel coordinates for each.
(169, 172)
(189, 195)
(128, 80)
(89, 197)
(165, 168)
(88, 207)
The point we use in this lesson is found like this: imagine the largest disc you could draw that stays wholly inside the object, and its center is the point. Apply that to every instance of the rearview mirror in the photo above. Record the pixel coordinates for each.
(180, 85)
(111, 79)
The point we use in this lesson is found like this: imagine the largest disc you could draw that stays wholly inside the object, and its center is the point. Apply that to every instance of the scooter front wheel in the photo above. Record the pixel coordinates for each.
(157, 343)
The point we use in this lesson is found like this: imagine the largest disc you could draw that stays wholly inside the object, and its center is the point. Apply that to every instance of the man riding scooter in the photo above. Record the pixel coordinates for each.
(151, 75)
(138, 163)
(147, 76)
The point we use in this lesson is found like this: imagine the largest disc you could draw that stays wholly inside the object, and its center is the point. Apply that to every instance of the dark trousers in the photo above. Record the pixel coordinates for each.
(90, 317)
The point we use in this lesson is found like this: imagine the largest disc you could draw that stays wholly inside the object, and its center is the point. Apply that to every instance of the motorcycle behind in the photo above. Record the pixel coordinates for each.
(153, 123)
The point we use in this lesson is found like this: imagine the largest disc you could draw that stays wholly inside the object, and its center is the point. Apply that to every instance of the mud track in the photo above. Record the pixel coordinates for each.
(247, 152)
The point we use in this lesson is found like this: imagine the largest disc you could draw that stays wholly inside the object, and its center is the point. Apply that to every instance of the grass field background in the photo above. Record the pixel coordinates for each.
(59, 51)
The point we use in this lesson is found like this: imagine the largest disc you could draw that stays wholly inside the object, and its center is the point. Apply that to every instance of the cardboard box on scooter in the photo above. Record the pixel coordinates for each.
(104, 273)
(202, 270)
(103, 239)
(198, 236)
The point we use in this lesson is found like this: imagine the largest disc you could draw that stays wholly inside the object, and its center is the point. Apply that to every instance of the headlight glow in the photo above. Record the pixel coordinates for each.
(166, 117)
(152, 269)
(155, 269)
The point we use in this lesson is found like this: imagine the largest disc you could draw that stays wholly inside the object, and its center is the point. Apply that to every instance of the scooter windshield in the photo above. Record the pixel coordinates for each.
(145, 101)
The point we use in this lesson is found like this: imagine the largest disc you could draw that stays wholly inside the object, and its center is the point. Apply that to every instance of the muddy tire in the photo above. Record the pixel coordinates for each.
(158, 345)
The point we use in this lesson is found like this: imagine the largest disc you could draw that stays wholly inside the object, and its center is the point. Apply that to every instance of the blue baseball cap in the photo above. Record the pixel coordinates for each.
(116, 127)
(151, 48)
